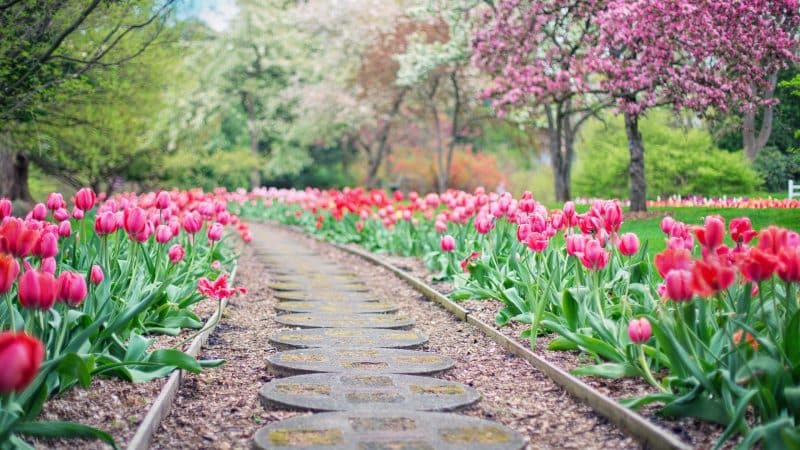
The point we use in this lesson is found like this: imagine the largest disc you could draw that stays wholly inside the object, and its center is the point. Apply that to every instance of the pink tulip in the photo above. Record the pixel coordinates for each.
(65, 229)
(666, 224)
(77, 213)
(628, 244)
(55, 201)
(96, 276)
(105, 223)
(61, 214)
(215, 232)
(21, 356)
(85, 199)
(594, 256)
(5, 208)
(176, 253)
(71, 288)
(47, 246)
(448, 243)
(37, 290)
(639, 330)
(39, 211)
(679, 285)
(163, 200)
(134, 220)
(576, 243)
(163, 234)
(49, 265)
(192, 223)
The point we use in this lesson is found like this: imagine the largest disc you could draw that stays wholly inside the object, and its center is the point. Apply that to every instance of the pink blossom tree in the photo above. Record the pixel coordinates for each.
(575, 56)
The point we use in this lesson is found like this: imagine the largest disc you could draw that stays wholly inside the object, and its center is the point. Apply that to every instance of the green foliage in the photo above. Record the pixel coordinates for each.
(228, 168)
(777, 168)
(677, 161)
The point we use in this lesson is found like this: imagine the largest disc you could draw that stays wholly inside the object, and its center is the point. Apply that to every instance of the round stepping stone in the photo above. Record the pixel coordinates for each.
(386, 430)
(348, 337)
(319, 320)
(298, 286)
(346, 392)
(359, 360)
(336, 307)
(326, 295)
(315, 277)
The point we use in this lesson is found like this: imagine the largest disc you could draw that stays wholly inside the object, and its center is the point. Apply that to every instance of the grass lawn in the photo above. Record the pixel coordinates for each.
(649, 230)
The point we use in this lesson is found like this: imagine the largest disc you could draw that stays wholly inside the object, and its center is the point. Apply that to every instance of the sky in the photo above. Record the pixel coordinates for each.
(217, 14)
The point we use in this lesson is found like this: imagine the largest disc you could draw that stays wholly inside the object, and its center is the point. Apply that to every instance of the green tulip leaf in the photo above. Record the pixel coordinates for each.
(63, 430)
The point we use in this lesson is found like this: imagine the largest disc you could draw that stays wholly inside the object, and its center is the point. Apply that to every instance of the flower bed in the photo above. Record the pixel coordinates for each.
(87, 289)
(710, 323)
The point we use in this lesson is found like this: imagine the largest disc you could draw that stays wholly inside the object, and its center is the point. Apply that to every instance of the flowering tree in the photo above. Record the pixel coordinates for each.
(688, 54)
(536, 52)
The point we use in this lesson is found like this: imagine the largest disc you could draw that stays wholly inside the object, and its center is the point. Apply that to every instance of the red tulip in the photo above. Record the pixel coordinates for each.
(742, 230)
(71, 288)
(711, 276)
(594, 256)
(448, 243)
(678, 285)
(21, 356)
(628, 244)
(37, 290)
(772, 239)
(757, 265)
(96, 276)
(789, 264)
(639, 330)
(176, 253)
(671, 259)
(712, 233)
(17, 238)
(85, 199)
(9, 270)
(748, 339)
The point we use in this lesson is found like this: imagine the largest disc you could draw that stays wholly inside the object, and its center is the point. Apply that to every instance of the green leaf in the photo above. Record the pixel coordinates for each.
(211, 363)
(570, 308)
(175, 358)
(63, 430)
(562, 344)
(607, 370)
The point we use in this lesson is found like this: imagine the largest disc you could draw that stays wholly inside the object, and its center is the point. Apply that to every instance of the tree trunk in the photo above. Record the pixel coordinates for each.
(250, 108)
(753, 142)
(14, 173)
(560, 164)
(374, 163)
(636, 167)
(376, 158)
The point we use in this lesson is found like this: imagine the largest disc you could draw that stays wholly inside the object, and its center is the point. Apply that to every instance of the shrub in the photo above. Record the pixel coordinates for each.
(777, 168)
(677, 161)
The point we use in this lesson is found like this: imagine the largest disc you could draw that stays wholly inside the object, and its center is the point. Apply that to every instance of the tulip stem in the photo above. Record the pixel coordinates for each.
(214, 322)
(648, 375)
(11, 312)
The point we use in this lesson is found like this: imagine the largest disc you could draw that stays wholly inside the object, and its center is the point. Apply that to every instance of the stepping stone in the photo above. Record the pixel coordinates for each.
(346, 392)
(319, 320)
(359, 361)
(326, 295)
(314, 277)
(386, 430)
(336, 307)
(348, 337)
(298, 286)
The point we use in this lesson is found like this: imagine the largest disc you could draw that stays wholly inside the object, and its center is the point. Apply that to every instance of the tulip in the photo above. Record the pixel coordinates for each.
(537, 241)
(5, 208)
(569, 210)
(594, 256)
(711, 276)
(748, 339)
(21, 356)
(742, 230)
(77, 213)
(55, 201)
(678, 285)
(359, 226)
(471, 258)
(71, 288)
(216, 265)
(176, 253)
(37, 290)
(576, 243)
(17, 238)
(772, 239)
(666, 224)
(448, 243)
(639, 330)
(105, 223)
(628, 244)
(163, 234)
(612, 219)
(789, 264)
(96, 275)
(49, 265)
(215, 232)
(39, 211)
(163, 200)
(85, 199)
(9, 270)
(134, 221)
(671, 259)
(757, 265)
(192, 223)
(47, 247)
(65, 229)
(712, 233)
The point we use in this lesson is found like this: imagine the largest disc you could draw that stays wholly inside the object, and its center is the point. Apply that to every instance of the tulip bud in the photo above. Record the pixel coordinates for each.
(21, 356)
(176, 253)
(678, 285)
(216, 265)
(77, 213)
(134, 220)
(628, 244)
(85, 199)
(192, 223)
(163, 200)
(639, 330)
(49, 265)
(37, 290)
(5, 208)
(163, 234)
(96, 276)
(105, 223)
(215, 232)
(65, 229)
(39, 211)
(47, 247)
(448, 243)
(55, 201)
(71, 288)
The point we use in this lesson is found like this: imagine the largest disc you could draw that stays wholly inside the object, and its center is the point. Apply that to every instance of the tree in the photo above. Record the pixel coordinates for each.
(688, 54)
(47, 49)
(536, 53)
